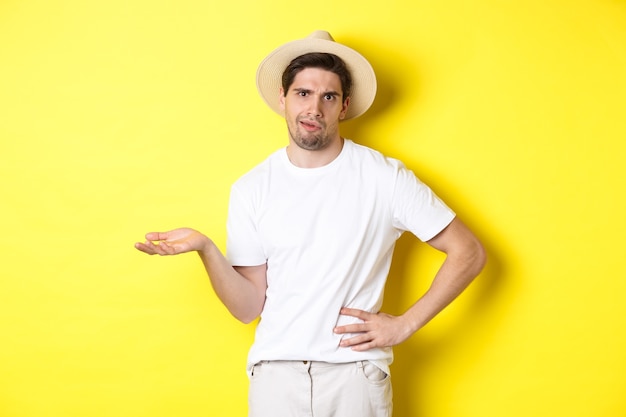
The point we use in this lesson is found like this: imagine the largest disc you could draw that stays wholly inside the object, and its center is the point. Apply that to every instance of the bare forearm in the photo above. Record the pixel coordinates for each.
(242, 296)
(455, 274)
(241, 289)
(380, 329)
(464, 261)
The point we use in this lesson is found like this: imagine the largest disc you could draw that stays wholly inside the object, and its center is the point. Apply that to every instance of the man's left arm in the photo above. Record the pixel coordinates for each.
(465, 258)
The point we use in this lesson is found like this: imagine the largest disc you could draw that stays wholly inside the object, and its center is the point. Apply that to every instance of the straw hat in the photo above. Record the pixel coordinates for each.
(270, 71)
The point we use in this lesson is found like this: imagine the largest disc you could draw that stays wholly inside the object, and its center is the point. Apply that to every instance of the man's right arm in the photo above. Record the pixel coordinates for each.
(241, 288)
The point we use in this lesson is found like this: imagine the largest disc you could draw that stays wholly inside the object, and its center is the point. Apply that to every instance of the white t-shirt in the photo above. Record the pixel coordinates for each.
(327, 235)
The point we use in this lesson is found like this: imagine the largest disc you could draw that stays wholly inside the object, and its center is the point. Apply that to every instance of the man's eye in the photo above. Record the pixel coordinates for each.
(329, 97)
(302, 93)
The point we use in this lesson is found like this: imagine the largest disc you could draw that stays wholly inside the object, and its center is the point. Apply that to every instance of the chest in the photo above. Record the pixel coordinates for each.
(322, 214)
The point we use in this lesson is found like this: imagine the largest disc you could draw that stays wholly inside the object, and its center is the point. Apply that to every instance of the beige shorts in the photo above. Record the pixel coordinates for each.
(319, 389)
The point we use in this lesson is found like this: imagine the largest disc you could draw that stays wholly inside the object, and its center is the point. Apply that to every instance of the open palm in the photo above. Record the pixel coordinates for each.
(173, 242)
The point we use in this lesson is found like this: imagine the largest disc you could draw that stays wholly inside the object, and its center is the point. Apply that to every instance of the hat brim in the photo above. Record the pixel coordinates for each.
(270, 72)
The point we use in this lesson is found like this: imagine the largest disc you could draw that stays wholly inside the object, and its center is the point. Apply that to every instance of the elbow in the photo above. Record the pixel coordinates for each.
(471, 257)
(246, 319)
(247, 316)
(478, 259)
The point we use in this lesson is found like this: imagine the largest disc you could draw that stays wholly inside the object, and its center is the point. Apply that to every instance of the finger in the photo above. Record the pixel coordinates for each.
(352, 328)
(355, 341)
(353, 312)
(157, 236)
(145, 248)
(167, 249)
(363, 347)
(160, 248)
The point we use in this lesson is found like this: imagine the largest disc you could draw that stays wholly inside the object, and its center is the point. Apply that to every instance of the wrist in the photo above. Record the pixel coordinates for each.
(206, 245)
(411, 320)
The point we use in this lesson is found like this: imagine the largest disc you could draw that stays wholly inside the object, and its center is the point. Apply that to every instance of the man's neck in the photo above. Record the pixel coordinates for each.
(304, 158)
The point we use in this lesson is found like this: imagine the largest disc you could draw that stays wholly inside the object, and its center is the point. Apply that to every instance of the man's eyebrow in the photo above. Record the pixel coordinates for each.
(306, 90)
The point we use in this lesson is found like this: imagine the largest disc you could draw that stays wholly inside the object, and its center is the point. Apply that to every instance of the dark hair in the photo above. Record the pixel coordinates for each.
(322, 60)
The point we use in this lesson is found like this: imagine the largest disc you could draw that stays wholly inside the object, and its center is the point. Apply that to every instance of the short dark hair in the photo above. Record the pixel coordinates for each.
(322, 60)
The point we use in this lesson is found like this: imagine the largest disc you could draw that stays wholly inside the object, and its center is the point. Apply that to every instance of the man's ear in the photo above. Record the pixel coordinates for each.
(281, 98)
(344, 109)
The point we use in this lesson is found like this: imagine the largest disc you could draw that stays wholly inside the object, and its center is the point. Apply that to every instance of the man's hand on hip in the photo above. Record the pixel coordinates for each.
(376, 330)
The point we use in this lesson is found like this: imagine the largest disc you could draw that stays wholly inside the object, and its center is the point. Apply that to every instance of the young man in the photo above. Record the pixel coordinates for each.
(311, 233)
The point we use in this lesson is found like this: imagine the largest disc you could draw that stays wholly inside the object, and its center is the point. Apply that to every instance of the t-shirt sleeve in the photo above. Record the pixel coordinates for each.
(243, 247)
(416, 208)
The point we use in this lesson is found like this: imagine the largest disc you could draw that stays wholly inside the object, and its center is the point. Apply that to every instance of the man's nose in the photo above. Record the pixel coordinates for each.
(315, 108)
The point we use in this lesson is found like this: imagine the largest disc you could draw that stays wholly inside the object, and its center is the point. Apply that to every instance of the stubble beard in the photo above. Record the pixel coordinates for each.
(307, 140)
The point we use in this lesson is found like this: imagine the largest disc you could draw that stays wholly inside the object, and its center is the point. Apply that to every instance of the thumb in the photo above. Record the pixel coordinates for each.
(156, 236)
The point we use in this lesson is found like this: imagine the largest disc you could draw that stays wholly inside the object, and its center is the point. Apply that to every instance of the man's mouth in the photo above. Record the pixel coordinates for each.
(310, 126)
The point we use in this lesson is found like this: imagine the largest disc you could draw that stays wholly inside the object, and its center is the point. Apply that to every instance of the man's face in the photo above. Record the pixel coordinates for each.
(313, 108)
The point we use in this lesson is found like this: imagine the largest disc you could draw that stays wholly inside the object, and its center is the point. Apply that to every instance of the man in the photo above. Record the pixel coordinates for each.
(311, 232)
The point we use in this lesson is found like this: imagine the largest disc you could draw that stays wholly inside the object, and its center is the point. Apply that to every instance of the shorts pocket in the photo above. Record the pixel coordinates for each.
(256, 369)
(373, 373)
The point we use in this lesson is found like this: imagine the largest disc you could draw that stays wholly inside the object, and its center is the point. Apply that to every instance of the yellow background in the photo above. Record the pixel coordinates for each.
(126, 116)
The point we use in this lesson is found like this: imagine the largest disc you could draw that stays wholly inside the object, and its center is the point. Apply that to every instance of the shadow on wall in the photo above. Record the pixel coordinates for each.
(416, 355)
(387, 93)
